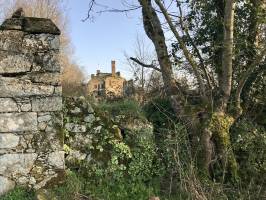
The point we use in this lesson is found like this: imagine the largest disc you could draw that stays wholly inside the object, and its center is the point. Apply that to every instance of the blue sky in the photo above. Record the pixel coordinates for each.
(107, 38)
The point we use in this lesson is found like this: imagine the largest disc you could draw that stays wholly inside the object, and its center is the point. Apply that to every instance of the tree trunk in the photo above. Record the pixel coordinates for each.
(227, 58)
(219, 126)
(214, 146)
(154, 31)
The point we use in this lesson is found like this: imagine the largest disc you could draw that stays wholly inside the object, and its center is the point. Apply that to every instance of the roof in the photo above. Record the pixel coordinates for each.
(29, 24)
(103, 75)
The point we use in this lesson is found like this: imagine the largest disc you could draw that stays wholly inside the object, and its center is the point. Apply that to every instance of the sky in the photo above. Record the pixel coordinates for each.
(106, 38)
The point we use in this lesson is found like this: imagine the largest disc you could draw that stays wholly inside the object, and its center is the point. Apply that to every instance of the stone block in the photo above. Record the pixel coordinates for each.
(11, 63)
(12, 87)
(17, 122)
(58, 90)
(47, 104)
(40, 42)
(6, 185)
(11, 40)
(57, 159)
(44, 118)
(46, 78)
(25, 107)
(8, 105)
(48, 62)
(17, 164)
(90, 118)
(8, 140)
(75, 128)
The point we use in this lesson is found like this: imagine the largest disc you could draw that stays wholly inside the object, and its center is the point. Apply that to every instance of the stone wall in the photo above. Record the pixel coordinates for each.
(31, 139)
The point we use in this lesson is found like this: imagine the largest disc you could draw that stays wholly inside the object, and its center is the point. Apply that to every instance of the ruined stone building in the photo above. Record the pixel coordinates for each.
(108, 85)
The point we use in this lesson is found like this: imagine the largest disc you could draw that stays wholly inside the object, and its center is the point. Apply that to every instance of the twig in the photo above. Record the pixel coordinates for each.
(145, 65)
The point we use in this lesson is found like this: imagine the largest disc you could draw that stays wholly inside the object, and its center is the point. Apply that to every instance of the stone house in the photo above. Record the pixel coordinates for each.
(107, 85)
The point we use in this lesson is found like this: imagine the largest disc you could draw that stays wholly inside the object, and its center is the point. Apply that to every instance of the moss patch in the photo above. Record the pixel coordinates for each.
(219, 125)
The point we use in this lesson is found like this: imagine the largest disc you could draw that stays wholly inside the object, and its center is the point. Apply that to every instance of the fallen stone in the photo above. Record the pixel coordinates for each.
(90, 109)
(90, 118)
(75, 128)
(75, 155)
(43, 194)
(57, 159)
(76, 110)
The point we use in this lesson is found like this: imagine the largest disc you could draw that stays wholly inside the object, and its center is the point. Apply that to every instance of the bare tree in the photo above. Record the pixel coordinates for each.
(146, 78)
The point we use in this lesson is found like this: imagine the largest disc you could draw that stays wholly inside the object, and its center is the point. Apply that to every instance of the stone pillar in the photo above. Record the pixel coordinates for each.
(31, 139)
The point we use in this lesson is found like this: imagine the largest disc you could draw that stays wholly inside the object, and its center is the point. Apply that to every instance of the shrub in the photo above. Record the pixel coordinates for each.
(160, 113)
(249, 142)
(126, 107)
(71, 188)
(19, 193)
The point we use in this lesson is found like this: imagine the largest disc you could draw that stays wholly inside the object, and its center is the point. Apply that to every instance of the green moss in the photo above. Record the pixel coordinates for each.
(220, 125)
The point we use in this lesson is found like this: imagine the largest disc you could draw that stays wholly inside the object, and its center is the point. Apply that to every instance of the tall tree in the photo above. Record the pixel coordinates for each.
(215, 115)
(222, 56)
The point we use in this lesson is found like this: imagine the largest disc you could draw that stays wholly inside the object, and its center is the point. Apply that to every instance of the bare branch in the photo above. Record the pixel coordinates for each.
(91, 5)
(202, 65)
(246, 75)
(145, 65)
(187, 54)
(119, 10)
(106, 8)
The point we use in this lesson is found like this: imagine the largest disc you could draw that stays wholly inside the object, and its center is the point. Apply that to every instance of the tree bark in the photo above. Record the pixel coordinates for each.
(187, 54)
(227, 58)
(154, 31)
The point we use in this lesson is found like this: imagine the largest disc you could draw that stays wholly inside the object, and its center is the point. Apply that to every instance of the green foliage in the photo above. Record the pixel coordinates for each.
(122, 165)
(71, 188)
(19, 193)
(123, 189)
(160, 113)
(250, 148)
(147, 161)
(126, 107)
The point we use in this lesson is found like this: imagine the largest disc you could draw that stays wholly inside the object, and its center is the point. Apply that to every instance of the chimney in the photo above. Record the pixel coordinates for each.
(113, 68)
(98, 72)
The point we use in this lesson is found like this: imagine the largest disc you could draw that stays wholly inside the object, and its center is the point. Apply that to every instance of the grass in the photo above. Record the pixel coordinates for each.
(19, 193)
